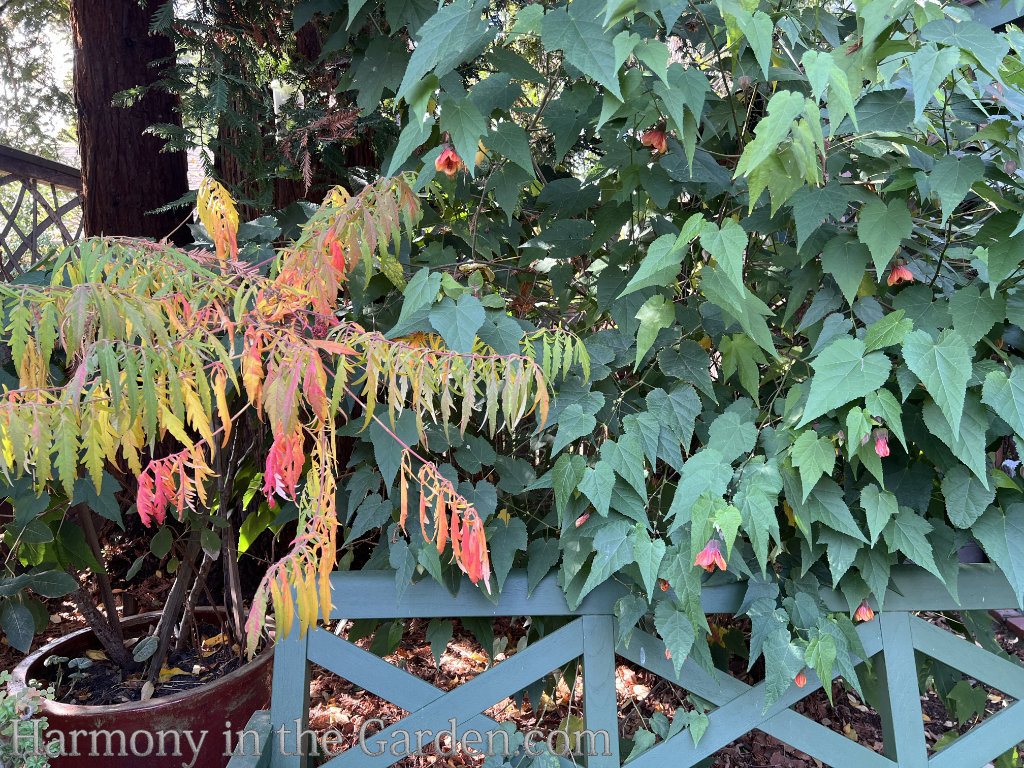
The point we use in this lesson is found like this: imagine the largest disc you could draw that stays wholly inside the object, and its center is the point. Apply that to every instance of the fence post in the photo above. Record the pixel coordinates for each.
(600, 706)
(289, 706)
(899, 696)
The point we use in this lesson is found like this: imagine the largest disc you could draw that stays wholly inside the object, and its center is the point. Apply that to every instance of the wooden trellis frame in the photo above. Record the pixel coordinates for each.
(890, 641)
(34, 177)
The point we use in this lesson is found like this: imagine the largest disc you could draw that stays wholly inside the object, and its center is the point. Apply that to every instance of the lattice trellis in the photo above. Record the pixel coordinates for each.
(890, 642)
(40, 207)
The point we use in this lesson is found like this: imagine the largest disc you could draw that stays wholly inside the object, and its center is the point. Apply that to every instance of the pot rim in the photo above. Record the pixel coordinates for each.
(19, 675)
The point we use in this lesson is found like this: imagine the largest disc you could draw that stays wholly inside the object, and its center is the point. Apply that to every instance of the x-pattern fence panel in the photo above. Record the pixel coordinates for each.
(40, 206)
(890, 642)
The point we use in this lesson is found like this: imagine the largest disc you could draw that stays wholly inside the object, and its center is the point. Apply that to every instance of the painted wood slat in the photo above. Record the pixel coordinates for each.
(600, 705)
(985, 741)
(902, 723)
(290, 699)
(480, 693)
(981, 586)
(733, 720)
(740, 706)
(260, 758)
(787, 725)
(968, 658)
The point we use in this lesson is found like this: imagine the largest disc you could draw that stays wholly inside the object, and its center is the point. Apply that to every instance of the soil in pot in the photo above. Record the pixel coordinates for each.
(102, 682)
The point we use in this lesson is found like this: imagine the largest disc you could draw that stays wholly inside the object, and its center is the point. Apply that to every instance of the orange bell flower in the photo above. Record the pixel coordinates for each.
(656, 139)
(711, 556)
(864, 612)
(448, 162)
(900, 274)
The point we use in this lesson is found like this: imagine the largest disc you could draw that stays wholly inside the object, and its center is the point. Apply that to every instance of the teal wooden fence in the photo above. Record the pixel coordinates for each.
(890, 642)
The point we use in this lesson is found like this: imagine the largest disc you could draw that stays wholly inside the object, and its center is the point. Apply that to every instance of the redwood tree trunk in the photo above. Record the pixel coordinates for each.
(124, 173)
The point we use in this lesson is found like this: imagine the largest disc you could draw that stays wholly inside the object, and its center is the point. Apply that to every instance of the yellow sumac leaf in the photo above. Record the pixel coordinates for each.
(218, 214)
(220, 383)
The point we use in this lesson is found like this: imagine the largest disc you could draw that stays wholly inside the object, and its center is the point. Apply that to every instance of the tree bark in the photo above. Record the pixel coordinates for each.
(125, 175)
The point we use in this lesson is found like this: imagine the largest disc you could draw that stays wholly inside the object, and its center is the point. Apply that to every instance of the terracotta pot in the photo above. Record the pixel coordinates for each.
(149, 727)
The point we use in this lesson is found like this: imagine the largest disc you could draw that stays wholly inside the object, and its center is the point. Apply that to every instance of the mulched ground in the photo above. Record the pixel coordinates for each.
(341, 706)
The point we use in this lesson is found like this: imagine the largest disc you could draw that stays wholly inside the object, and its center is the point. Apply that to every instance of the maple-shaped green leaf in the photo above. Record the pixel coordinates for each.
(677, 410)
(626, 457)
(705, 471)
(880, 506)
(823, 72)
(757, 28)
(740, 353)
(845, 258)
(504, 540)
(466, 126)
(756, 498)
(951, 179)
(446, 39)
(881, 228)
(740, 304)
(884, 405)
(840, 550)
(380, 67)
(820, 656)
(1005, 395)
(458, 322)
(613, 548)
(889, 331)
(1001, 535)
(510, 140)
(874, 566)
(734, 432)
(572, 423)
(676, 630)
(541, 556)
(783, 661)
(814, 456)
(684, 90)
(579, 35)
(974, 313)
(843, 372)
(966, 496)
(439, 634)
(827, 505)
(783, 108)
(413, 134)
(565, 476)
(943, 366)
(812, 207)
(656, 313)
(726, 245)
(597, 484)
(648, 554)
(689, 363)
(908, 533)
(929, 67)
(971, 37)
(661, 264)
(968, 444)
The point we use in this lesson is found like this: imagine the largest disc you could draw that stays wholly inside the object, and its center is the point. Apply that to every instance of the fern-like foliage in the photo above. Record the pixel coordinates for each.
(133, 344)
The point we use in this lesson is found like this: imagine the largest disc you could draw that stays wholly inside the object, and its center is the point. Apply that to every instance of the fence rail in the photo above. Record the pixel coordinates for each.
(890, 643)
(40, 207)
